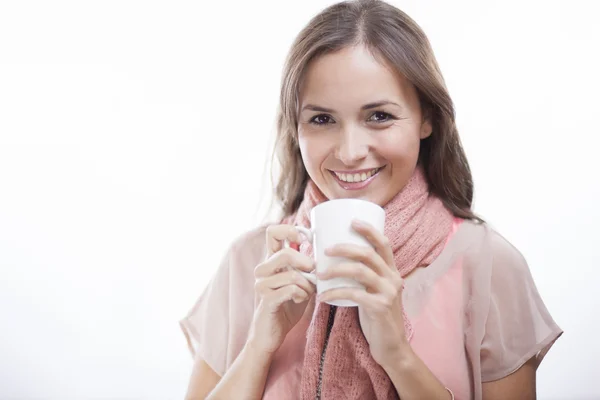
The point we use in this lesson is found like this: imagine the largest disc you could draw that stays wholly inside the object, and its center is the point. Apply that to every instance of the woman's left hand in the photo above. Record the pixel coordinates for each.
(380, 305)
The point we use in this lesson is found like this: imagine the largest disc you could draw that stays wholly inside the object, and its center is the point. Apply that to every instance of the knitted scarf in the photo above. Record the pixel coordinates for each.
(417, 225)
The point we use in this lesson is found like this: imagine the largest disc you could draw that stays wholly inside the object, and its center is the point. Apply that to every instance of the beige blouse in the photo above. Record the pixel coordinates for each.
(476, 313)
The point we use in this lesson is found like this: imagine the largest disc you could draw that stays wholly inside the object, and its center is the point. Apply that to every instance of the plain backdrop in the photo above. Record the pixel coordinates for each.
(134, 137)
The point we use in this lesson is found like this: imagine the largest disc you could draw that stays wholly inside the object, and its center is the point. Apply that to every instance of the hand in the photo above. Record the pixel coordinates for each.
(380, 305)
(284, 292)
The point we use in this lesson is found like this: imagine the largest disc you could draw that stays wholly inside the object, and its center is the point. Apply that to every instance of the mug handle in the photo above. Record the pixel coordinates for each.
(312, 278)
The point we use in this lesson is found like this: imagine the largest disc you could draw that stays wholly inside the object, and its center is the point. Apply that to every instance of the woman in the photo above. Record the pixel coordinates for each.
(450, 310)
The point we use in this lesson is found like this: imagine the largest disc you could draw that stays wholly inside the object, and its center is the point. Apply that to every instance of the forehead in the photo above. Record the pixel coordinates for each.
(352, 77)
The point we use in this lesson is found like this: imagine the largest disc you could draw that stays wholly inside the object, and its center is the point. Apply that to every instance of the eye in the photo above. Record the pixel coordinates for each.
(380, 116)
(321, 119)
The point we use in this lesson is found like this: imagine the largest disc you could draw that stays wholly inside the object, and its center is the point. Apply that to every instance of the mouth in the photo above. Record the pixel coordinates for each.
(356, 180)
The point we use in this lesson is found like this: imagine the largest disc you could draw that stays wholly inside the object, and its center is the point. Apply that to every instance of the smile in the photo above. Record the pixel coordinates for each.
(355, 180)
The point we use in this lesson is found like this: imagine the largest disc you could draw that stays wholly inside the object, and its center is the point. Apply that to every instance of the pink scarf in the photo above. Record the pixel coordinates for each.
(417, 225)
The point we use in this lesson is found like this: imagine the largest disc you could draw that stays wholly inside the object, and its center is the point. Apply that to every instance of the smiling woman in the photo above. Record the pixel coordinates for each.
(448, 307)
(376, 127)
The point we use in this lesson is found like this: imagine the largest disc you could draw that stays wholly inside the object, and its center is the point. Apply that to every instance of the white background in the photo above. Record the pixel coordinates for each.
(133, 143)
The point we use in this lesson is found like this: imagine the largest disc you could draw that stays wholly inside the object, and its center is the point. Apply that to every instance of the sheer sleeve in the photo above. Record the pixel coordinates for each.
(207, 324)
(518, 325)
(216, 327)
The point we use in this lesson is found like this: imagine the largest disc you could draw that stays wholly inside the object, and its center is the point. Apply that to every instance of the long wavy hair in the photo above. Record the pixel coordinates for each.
(392, 35)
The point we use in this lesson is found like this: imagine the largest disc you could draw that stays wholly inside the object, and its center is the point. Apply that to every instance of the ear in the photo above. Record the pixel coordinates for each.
(426, 127)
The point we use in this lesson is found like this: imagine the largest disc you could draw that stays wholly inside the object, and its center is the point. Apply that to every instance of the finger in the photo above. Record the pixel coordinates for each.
(359, 272)
(282, 279)
(378, 240)
(277, 234)
(369, 301)
(363, 254)
(292, 292)
(283, 260)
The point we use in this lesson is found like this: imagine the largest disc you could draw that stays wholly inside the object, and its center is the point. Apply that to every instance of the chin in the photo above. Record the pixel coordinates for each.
(375, 199)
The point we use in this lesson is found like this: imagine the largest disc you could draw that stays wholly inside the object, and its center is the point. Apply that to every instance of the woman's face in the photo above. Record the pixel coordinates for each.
(360, 126)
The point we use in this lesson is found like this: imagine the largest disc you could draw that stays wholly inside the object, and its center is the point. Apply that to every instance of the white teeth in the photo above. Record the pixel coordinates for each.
(357, 177)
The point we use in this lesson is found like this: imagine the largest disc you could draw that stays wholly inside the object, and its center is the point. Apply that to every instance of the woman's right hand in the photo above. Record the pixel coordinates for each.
(284, 293)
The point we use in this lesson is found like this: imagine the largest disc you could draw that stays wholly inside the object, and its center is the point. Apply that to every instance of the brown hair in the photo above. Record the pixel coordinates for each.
(389, 33)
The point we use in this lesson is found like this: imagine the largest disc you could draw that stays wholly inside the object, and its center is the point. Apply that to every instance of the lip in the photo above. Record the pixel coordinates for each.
(355, 185)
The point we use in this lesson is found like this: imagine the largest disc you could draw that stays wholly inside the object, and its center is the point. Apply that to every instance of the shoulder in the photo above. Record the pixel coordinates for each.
(482, 237)
(505, 255)
(247, 250)
(509, 271)
(234, 278)
(487, 253)
(249, 242)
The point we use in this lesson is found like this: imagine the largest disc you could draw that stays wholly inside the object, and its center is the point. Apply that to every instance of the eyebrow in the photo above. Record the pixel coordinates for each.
(368, 106)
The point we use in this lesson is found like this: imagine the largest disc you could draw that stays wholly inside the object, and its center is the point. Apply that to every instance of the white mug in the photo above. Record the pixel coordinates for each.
(330, 225)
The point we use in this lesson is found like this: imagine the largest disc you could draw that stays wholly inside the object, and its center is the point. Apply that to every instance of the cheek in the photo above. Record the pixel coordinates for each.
(399, 147)
(314, 151)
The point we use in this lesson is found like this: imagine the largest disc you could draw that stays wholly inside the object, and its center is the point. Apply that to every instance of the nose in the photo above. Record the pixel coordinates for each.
(353, 146)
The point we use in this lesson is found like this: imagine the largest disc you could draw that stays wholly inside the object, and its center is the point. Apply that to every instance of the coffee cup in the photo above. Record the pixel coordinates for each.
(331, 224)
